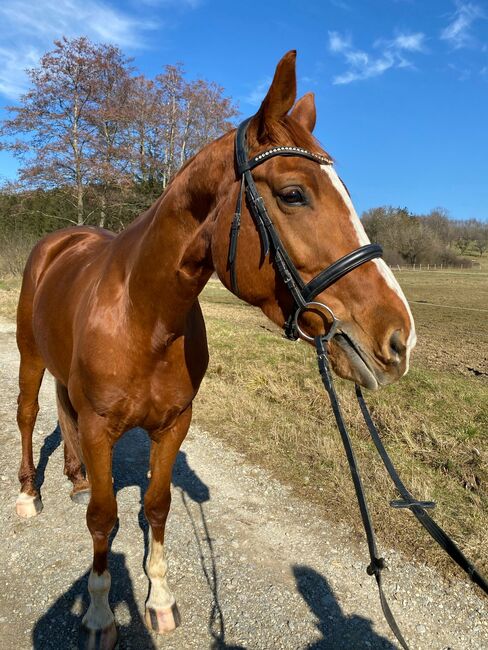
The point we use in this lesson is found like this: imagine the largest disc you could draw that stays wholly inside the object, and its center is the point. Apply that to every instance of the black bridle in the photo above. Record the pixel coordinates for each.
(304, 298)
(303, 293)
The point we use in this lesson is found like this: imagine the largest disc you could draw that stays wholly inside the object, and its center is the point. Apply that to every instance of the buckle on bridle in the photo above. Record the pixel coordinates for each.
(306, 307)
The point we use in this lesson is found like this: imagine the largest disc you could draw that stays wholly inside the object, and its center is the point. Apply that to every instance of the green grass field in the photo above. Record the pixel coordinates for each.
(263, 395)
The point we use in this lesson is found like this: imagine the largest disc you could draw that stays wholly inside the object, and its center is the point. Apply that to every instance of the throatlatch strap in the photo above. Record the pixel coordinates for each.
(377, 563)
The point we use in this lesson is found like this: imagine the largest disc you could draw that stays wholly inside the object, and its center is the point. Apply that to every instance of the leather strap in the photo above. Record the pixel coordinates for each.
(407, 501)
(376, 563)
(418, 507)
(343, 266)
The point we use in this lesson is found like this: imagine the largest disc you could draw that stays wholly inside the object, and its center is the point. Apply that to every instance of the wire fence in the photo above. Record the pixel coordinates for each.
(473, 266)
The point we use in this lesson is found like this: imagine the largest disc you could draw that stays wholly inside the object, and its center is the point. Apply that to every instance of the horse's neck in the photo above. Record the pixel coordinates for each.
(167, 250)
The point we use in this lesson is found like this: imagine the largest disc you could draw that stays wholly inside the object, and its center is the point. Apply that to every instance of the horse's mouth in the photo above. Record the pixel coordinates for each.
(366, 376)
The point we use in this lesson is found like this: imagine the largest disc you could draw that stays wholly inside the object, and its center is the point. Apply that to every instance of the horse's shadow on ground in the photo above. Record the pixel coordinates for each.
(59, 626)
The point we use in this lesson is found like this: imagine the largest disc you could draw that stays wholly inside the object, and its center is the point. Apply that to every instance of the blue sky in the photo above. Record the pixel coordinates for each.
(401, 85)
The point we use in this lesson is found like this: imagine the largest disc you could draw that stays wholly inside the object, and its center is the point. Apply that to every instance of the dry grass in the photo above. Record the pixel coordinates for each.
(9, 295)
(263, 395)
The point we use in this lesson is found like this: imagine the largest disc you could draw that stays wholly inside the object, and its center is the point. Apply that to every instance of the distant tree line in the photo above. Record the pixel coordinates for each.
(97, 142)
(432, 238)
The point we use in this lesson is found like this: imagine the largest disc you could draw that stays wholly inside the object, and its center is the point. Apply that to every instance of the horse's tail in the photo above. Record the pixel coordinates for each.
(67, 417)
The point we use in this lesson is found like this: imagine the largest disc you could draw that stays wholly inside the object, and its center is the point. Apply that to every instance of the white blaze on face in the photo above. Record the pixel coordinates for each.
(363, 239)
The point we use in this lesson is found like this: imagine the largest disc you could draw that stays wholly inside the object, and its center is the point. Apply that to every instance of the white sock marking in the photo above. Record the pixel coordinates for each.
(160, 596)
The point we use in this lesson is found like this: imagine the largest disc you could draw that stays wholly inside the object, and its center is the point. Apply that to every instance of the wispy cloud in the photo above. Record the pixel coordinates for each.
(180, 4)
(340, 4)
(12, 66)
(256, 95)
(388, 54)
(459, 31)
(35, 25)
(462, 73)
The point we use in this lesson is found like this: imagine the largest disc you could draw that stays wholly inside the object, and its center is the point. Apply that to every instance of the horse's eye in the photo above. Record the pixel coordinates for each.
(292, 196)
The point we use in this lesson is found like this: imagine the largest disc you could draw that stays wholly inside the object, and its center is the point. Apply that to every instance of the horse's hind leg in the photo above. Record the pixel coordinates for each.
(73, 469)
(31, 373)
(161, 611)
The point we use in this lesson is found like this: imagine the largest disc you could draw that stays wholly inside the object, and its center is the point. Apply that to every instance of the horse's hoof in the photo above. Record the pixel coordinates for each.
(81, 497)
(28, 505)
(163, 620)
(106, 639)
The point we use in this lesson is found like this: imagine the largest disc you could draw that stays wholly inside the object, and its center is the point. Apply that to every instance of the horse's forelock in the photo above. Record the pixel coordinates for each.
(287, 132)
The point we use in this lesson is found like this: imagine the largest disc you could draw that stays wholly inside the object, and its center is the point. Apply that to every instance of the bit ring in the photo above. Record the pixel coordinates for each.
(306, 307)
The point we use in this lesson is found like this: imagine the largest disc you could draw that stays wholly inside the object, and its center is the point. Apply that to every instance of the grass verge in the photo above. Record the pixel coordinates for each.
(263, 395)
(9, 296)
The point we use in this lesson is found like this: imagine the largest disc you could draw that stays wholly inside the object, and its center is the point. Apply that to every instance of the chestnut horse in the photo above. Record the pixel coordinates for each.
(116, 320)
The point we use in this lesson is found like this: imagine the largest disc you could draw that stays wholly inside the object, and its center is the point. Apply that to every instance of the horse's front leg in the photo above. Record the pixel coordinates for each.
(161, 610)
(98, 627)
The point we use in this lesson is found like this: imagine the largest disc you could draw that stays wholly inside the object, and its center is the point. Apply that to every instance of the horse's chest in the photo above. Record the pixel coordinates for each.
(169, 393)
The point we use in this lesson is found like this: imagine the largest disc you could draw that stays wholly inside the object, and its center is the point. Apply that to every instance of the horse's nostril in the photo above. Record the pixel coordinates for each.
(397, 344)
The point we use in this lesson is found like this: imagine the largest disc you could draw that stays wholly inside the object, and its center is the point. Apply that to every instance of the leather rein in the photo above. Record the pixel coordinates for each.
(304, 295)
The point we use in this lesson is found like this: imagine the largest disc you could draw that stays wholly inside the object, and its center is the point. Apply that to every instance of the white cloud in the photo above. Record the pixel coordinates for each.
(181, 4)
(340, 4)
(410, 42)
(27, 30)
(363, 65)
(258, 93)
(458, 32)
(462, 73)
(12, 65)
(338, 43)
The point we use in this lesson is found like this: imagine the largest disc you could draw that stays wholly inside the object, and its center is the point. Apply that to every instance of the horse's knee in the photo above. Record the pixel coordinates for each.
(156, 509)
(101, 517)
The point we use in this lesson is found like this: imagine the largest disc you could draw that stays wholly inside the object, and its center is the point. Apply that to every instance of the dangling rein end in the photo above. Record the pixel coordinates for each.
(418, 508)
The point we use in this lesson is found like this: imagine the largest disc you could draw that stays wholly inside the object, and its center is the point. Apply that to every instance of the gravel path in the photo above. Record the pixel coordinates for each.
(251, 566)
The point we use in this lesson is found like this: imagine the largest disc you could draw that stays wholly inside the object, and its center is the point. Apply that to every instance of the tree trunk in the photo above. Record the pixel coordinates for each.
(103, 208)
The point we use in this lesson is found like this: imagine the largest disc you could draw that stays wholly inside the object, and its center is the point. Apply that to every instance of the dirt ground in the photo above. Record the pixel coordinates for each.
(251, 565)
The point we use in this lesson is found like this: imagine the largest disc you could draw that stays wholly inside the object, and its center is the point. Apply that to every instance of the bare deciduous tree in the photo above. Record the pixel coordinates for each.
(105, 138)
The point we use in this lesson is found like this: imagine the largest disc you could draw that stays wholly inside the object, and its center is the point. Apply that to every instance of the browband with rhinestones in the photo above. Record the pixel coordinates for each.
(284, 151)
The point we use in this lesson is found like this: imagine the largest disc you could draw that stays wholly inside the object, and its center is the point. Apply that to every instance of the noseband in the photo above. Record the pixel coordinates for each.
(303, 294)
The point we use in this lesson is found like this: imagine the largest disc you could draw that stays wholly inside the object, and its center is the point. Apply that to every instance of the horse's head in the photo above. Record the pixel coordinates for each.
(314, 218)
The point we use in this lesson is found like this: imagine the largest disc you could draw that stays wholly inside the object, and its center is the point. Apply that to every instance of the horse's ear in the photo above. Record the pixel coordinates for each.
(281, 94)
(304, 111)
